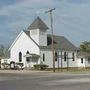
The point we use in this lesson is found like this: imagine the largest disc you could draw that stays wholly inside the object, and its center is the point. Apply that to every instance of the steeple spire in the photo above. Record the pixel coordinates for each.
(38, 31)
(38, 24)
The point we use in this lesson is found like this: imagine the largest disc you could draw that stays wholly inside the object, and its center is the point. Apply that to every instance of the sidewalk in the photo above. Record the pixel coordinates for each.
(30, 72)
(22, 71)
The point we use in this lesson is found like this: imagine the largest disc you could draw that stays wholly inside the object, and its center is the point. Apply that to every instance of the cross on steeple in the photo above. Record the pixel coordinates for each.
(37, 13)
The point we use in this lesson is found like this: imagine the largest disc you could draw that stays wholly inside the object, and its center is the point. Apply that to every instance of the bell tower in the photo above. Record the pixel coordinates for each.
(38, 31)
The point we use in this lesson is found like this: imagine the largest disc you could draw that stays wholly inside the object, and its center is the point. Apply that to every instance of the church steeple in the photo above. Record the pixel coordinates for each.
(38, 24)
(38, 32)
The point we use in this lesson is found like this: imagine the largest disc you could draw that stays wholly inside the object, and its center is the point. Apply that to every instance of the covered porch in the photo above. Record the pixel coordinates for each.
(31, 59)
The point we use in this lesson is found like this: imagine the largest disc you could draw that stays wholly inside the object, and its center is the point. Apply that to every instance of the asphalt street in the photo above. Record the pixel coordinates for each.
(44, 81)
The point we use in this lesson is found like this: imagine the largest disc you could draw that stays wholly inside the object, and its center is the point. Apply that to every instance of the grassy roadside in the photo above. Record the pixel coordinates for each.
(72, 71)
(63, 71)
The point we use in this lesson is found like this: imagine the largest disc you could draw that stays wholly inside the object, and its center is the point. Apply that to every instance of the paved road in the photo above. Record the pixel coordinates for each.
(44, 81)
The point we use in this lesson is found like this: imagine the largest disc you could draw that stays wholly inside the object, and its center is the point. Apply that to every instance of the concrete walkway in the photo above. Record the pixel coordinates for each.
(44, 73)
(22, 71)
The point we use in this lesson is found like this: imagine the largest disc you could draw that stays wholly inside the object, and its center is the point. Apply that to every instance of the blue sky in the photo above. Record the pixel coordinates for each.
(71, 18)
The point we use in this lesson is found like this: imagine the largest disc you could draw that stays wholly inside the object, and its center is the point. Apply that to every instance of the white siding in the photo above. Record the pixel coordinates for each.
(87, 64)
(71, 62)
(35, 36)
(49, 60)
(79, 62)
(43, 38)
(39, 36)
(23, 44)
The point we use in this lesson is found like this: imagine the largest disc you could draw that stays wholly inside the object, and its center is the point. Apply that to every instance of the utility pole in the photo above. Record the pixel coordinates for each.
(51, 20)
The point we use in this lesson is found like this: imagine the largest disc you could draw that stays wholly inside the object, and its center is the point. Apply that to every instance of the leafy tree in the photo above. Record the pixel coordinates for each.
(85, 46)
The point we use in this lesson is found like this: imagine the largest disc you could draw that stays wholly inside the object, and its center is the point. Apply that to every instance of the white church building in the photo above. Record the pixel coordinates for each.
(33, 46)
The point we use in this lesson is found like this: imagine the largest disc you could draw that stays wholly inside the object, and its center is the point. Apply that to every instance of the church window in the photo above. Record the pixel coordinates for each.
(82, 60)
(88, 60)
(73, 57)
(27, 58)
(20, 57)
(65, 56)
(27, 52)
(55, 56)
(43, 57)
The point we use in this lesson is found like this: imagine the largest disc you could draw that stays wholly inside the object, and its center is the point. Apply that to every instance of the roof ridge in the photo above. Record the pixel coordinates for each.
(38, 23)
(31, 37)
(56, 35)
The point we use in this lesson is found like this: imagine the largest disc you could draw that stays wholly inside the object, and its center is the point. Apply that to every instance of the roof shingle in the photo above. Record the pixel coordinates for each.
(60, 43)
(38, 24)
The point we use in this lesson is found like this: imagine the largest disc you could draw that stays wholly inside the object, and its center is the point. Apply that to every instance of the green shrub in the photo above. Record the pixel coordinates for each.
(40, 66)
(19, 65)
(5, 65)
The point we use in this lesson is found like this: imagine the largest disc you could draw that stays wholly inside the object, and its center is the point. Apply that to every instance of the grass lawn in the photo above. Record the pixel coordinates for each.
(72, 70)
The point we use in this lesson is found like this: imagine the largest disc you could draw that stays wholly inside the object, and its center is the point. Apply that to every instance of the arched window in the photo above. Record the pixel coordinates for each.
(55, 56)
(82, 60)
(43, 57)
(27, 52)
(73, 56)
(27, 58)
(20, 57)
(65, 56)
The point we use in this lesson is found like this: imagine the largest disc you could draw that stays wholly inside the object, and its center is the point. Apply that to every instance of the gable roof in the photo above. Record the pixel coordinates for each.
(15, 40)
(83, 54)
(27, 33)
(38, 24)
(60, 43)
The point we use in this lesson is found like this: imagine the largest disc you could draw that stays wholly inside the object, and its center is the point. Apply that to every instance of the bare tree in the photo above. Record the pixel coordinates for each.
(3, 51)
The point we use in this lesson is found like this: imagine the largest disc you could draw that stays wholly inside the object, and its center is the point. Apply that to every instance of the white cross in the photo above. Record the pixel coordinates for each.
(37, 13)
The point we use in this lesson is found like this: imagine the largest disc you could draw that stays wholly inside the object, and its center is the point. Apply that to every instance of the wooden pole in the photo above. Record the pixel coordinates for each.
(58, 61)
(67, 62)
(51, 20)
(61, 62)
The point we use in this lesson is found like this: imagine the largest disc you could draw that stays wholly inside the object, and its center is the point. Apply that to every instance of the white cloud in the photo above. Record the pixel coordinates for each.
(78, 1)
(24, 6)
(69, 18)
(38, 1)
(20, 13)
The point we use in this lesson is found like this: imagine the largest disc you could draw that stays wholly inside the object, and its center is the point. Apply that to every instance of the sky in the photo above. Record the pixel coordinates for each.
(71, 18)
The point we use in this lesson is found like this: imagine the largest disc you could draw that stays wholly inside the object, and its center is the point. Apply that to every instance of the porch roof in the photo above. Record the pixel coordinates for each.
(32, 55)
